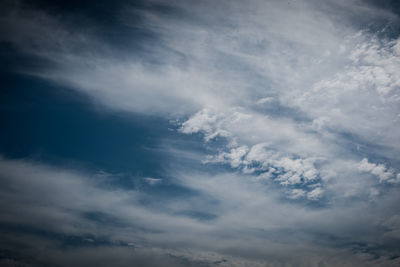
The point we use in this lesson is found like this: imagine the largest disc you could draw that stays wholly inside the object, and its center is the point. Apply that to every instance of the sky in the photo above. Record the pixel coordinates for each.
(200, 133)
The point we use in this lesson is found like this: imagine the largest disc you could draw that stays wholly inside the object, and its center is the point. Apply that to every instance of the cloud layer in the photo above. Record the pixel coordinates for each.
(230, 220)
(297, 104)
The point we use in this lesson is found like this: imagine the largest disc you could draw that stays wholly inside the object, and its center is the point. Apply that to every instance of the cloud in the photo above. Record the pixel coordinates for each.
(297, 193)
(315, 193)
(293, 96)
(294, 52)
(208, 122)
(362, 97)
(153, 181)
(65, 206)
(380, 170)
(196, 59)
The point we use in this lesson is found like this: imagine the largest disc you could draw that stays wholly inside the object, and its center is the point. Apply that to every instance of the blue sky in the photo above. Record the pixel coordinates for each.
(200, 133)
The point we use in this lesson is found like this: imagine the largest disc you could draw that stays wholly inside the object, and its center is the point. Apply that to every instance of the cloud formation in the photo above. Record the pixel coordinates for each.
(297, 104)
(79, 211)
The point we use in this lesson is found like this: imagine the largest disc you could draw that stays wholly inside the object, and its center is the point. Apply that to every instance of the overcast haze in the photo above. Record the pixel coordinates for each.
(200, 133)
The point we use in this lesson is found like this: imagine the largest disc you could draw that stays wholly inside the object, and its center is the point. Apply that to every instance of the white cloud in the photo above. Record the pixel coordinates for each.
(297, 193)
(380, 170)
(234, 157)
(210, 123)
(153, 181)
(277, 158)
(265, 100)
(315, 193)
(363, 96)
